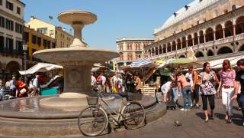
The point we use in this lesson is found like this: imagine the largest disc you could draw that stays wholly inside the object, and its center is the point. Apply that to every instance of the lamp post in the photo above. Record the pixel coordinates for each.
(25, 47)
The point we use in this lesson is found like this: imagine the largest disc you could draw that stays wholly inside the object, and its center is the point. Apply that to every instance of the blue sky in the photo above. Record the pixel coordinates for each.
(116, 18)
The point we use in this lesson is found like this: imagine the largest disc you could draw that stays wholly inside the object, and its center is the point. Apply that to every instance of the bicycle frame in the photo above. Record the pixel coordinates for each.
(110, 114)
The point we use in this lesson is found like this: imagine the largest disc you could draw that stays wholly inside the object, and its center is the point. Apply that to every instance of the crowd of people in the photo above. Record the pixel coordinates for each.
(118, 83)
(18, 87)
(226, 83)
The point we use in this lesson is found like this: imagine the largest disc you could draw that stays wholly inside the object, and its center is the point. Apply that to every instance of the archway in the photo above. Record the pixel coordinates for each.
(241, 48)
(201, 37)
(13, 66)
(178, 44)
(199, 54)
(209, 35)
(160, 49)
(224, 50)
(195, 39)
(190, 41)
(182, 56)
(184, 42)
(240, 25)
(169, 47)
(210, 53)
(156, 50)
(173, 46)
(164, 48)
(219, 32)
(228, 29)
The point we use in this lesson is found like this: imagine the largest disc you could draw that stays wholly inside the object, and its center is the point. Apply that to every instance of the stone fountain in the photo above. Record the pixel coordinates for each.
(56, 116)
(77, 61)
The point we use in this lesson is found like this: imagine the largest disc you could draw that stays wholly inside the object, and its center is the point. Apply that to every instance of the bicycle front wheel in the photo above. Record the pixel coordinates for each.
(92, 121)
(133, 115)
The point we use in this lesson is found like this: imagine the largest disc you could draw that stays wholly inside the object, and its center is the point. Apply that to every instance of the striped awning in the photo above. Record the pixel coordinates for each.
(141, 63)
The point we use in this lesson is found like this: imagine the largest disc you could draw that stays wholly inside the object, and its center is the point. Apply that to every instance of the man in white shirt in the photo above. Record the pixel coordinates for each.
(36, 85)
(93, 80)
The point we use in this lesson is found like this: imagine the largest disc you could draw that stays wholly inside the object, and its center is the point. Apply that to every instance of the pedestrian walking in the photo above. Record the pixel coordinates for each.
(208, 91)
(185, 87)
(227, 78)
(239, 85)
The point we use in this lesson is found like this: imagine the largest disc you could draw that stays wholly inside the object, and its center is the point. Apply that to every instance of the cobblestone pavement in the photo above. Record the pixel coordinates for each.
(193, 126)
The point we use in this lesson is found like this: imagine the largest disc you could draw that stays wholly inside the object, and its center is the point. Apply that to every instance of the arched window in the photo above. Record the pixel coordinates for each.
(164, 48)
(156, 51)
(178, 44)
(209, 35)
(169, 47)
(173, 46)
(184, 42)
(201, 36)
(219, 32)
(195, 39)
(150, 53)
(153, 52)
(189, 39)
(160, 49)
(130, 57)
(228, 29)
(240, 25)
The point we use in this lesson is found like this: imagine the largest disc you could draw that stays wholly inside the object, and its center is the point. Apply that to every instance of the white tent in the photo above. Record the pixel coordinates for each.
(218, 62)
(40, 67)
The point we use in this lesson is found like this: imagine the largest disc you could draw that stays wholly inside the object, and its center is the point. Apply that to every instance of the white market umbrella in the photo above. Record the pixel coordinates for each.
(40, 67)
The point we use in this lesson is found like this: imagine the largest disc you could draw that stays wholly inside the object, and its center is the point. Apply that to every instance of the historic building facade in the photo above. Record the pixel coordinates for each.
(212, 28)
(63, 38)
(36, 41)
(130, 49)
(11, 30)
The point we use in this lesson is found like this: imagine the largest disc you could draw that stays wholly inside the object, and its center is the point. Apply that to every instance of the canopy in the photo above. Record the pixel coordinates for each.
(218, 62)
(145, 62)
(40, 67)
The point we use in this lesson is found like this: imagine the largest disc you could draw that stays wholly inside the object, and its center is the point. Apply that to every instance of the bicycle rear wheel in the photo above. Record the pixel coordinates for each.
(92, 121)
(133, 115)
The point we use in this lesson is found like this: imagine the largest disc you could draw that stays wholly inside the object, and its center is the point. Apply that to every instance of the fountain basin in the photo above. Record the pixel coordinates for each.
(25, 117)
(77, 16)
(70, 55)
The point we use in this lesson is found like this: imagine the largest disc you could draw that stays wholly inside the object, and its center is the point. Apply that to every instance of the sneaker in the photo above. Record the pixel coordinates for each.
(183, 109)
(198, 106)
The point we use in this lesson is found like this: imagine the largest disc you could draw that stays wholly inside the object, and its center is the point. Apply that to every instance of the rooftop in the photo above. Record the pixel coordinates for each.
(194, 7)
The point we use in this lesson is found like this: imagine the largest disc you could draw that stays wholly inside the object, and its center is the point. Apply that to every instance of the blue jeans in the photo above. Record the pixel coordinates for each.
(241, 100)
(186, 92)
(175, 94)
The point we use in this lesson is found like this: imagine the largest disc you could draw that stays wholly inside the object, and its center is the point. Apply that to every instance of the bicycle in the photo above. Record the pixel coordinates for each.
(94, 119)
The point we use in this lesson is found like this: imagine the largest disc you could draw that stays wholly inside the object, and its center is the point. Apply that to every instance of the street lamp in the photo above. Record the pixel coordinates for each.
(25, 47)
